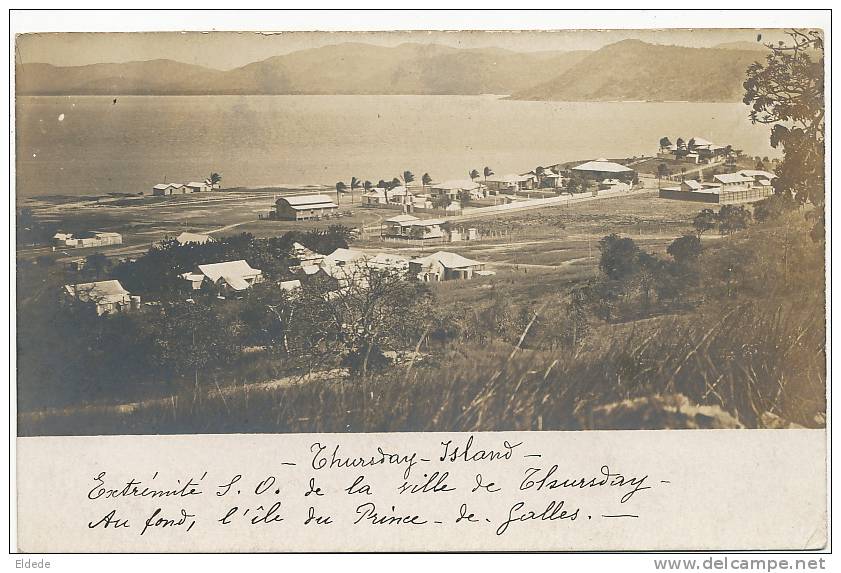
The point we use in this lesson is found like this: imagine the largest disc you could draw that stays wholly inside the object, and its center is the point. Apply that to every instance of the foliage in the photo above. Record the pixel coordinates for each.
(787, 92)
(773, 207)
(705, 221)
(685, 249)
(157, 273)
(732, 218)
(618, 256)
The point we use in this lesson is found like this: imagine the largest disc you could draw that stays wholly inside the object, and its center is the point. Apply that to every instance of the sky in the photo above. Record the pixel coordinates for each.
(227, 50)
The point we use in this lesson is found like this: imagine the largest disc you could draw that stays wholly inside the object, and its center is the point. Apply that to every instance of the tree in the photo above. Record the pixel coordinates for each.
(340, 188)
(705, 221)
(97, 263)
(367, 185)
(441, 201)
(408, 177)
(474, 174)
(773, 207)
(215, 179)
(618, 256)
(665, 143)
(732, 218)
(680, 143)
(426, 181)
(662, 171)
(787, 92)
(730, 157)
(539, 172)
(686, 249)
(375, 311)
(487, 171)
(354, 185)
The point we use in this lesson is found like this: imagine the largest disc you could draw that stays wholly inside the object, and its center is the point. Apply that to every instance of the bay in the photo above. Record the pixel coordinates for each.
(90, 145)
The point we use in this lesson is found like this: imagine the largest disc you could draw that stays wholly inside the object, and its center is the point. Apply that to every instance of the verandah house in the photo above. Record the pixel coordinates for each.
(230, 276)
(105, 297)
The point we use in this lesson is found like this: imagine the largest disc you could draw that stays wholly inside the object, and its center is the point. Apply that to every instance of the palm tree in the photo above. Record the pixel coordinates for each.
(367, 185)
(354, 184)
(425, 181)
(215, 179)
(474, 174)
(664, 143)
(340, 188)
(488, 172)
(408, 177)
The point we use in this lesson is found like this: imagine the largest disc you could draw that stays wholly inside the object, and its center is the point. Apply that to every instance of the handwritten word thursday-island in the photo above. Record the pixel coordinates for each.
(500, 488)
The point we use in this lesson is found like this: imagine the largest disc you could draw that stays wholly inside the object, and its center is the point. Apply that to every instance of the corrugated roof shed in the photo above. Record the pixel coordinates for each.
(306, 200)
(731, 178)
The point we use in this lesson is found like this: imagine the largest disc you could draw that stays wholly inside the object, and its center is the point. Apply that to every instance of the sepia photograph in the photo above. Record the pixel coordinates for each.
(238, 232)
(420, 281)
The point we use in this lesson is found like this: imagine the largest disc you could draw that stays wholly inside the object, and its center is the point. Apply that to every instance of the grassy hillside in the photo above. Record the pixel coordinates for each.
(632, 70)
(742, 344)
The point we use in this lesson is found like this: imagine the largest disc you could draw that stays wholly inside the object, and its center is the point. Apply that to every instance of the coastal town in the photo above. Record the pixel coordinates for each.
(414, 216)
(430, 262)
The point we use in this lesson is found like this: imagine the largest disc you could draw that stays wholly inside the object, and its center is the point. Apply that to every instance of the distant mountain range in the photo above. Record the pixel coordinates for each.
(628, 70)
(631, 70)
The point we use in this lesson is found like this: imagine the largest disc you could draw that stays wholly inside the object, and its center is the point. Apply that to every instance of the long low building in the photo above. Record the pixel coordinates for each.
(725, 189)
(303, 207)
(87, 239)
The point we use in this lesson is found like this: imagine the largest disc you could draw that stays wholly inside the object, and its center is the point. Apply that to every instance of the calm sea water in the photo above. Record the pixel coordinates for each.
(91, 145)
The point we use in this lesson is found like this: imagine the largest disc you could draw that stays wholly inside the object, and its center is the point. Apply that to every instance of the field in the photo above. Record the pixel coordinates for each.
(538, 256)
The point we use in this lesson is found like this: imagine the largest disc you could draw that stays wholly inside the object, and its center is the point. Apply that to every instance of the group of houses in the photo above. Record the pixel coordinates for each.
(162, 189)
(409, 227)
(87, 239)
(347, 266)
(694, 150)
(745, 186)
(449, 196)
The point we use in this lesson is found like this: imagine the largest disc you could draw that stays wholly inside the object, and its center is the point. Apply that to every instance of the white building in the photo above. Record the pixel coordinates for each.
(186, 238)
(230, 275)
(106, 297)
